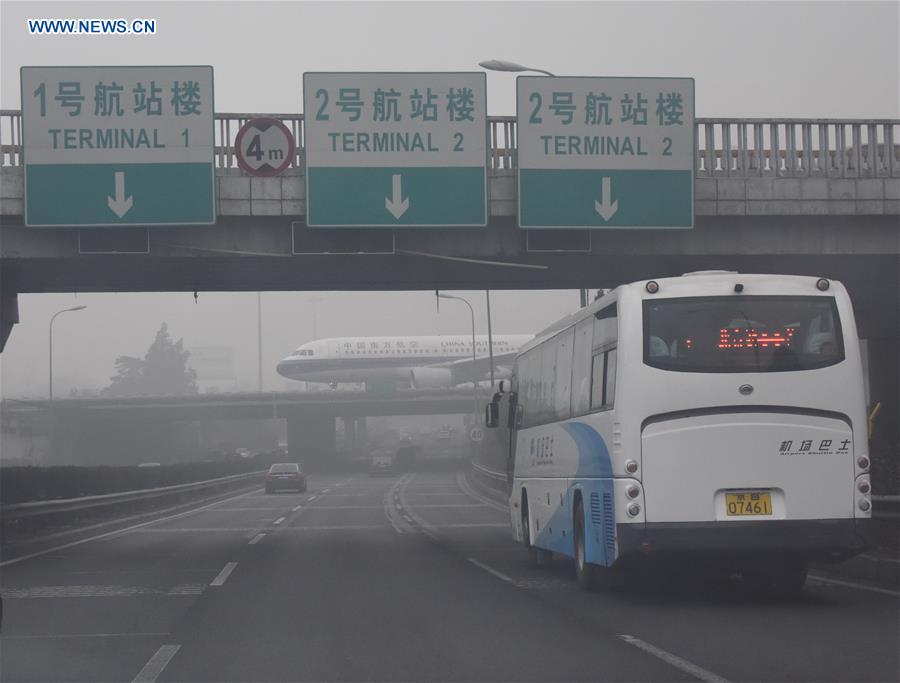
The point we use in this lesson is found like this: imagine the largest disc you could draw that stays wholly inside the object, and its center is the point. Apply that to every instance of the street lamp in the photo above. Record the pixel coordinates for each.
(50, 368)
(503, 65)
(474, 376)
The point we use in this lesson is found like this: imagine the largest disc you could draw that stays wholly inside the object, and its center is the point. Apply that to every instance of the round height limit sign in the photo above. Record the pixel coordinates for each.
(264, 147)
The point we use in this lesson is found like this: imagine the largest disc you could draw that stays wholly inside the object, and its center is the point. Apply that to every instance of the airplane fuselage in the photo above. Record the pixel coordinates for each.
(389, 359)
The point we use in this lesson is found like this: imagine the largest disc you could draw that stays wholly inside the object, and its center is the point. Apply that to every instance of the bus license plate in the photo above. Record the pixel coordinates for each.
(754, 503)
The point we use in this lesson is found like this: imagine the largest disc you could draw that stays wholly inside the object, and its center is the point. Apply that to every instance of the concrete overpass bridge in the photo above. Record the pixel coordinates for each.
(811, 196)
(83, 424)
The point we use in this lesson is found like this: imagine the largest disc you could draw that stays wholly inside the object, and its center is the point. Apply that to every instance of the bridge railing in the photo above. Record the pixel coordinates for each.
(724, 147)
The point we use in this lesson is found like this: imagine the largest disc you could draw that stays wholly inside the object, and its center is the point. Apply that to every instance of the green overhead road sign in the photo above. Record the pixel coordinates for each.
(118, 145)
(395, 149)
(605, 152)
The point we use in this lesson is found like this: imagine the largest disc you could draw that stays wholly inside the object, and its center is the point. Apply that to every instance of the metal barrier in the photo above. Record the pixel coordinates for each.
(729, 147)
(47, 510)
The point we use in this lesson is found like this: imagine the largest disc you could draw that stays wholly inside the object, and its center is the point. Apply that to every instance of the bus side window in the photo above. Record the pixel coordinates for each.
(603, 379)
(609, 384)
(581, 368)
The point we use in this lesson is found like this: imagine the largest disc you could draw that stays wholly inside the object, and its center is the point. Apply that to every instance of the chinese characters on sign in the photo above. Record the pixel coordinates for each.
(390, 149)
(118, 145)
(606, 152)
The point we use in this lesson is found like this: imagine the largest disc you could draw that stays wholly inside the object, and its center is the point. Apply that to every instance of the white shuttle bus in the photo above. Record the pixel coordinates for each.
(713, 417)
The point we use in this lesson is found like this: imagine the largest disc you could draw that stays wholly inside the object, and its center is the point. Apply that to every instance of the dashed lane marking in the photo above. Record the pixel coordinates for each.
(279, 521)
(674, 660)
(121, 532)
(298, 507)
(490, 570)
(850, 584)
(224, 574)
(155, 665)
(256, 539)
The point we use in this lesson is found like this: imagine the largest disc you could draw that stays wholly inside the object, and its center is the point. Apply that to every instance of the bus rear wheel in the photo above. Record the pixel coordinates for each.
(585, 572)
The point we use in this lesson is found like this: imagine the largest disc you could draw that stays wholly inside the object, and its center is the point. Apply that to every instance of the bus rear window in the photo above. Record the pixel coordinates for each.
(742, 333)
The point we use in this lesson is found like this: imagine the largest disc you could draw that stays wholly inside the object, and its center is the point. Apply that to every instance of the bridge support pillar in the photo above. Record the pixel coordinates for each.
(884, 372)
(9, 314)
(362, 434)
(311, 441)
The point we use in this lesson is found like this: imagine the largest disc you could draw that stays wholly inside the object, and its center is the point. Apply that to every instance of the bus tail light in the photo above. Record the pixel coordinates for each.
(864, 504)
(652, 287)
(863, 486)
(862, 462)
(633, 491)
(822, 284)
(631, 466)
(634, 510)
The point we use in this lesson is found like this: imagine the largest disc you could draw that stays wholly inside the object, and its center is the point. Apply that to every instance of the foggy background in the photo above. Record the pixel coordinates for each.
(805, 59)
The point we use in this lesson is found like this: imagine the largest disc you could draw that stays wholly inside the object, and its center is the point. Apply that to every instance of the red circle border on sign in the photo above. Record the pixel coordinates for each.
(253, 123)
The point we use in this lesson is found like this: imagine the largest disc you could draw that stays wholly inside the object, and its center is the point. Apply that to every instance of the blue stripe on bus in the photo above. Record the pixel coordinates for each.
(593, 455)
(598, 501)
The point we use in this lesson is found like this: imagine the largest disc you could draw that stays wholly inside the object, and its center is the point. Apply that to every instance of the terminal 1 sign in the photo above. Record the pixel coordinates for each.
(395, 149)
(114, 145)
(605, 152)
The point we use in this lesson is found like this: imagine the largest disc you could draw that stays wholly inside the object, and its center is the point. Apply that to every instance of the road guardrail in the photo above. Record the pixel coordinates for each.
(886, 507)
(28, 516)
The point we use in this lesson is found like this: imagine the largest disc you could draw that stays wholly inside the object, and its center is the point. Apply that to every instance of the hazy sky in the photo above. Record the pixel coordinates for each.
(753, 59)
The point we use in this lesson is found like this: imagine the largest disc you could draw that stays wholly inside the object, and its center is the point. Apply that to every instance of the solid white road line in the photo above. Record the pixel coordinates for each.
(85, 635)
(256, 539)
(154, 667)
(857, 586)
(121, 532)
(684, 665)
(489, 570)
(279, 521)
(224, 574)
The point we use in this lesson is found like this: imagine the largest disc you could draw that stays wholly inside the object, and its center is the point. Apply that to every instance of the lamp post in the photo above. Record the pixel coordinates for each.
(503, 65)
(474, 377)
(487, 298)
(52, 414)
(50, 364)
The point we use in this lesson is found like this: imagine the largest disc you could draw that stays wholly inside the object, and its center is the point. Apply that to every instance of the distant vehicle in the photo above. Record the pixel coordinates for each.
(423, 362)
(243, 452)
(150, 464)
(285, 475)
(716, 418)
(382, 463)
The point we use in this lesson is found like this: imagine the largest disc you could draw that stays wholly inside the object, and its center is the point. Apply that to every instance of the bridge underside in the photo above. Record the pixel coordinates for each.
(280, 253)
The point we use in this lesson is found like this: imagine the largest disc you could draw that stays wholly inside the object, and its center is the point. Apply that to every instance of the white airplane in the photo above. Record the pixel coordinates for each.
(424, 362)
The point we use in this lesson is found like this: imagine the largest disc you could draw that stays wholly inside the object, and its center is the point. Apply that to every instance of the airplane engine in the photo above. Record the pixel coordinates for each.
(431, 378)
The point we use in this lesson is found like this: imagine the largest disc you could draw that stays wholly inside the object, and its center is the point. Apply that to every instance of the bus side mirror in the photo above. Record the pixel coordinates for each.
(491, 415)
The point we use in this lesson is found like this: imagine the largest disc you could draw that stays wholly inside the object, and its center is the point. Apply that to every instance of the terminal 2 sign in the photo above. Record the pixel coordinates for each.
(605, 152)
(114, 145)
(395, 149)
